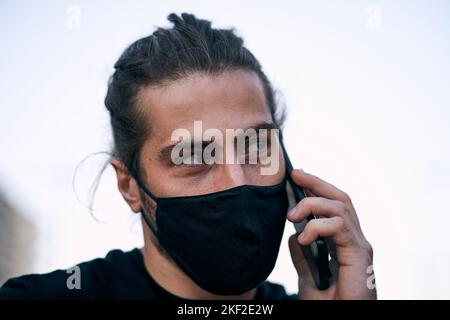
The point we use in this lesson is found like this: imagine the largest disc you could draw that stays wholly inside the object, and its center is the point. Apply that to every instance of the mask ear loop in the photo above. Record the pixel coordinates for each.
(134, 170)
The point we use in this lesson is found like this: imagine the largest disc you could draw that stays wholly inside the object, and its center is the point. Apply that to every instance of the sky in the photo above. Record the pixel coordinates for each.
(365, 83)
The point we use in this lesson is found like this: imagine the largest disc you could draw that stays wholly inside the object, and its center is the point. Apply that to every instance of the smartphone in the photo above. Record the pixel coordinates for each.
(316, 254)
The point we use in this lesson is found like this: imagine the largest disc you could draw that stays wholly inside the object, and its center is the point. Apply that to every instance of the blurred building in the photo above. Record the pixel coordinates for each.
(16, 242)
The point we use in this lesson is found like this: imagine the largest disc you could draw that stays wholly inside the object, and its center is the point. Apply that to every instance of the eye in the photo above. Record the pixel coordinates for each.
(252, 148)
(193, 159)
(193, 165)
(264, 147)
(257, 151)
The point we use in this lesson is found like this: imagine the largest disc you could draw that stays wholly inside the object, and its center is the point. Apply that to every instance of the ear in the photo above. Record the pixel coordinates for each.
(127, 185)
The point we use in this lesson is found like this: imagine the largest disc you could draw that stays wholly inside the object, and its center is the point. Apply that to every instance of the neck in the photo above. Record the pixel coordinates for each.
(170, 277)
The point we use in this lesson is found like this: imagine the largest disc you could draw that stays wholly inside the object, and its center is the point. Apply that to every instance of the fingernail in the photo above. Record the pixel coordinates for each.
(301, 170)
(291, 213)
(301, 236)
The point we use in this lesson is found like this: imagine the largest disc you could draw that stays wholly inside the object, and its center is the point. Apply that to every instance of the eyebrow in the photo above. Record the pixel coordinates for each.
(165, 153)
(263, 125)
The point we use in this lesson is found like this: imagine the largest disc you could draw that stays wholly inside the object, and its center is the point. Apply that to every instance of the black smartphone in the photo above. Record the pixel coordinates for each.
(316, 254)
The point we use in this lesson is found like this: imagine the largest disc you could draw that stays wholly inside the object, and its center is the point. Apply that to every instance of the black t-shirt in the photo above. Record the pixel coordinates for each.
(120, 275)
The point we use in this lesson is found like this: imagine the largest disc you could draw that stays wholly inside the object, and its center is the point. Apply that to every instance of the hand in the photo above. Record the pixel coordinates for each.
(351, 254)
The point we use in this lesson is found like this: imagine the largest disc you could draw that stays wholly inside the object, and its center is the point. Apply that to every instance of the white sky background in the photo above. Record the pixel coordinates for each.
(367, 89)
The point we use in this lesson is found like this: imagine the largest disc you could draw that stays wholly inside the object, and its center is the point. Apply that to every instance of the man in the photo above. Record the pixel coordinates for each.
(212, 218)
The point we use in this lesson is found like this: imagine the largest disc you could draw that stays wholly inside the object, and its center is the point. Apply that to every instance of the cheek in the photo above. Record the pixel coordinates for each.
(255, 177)
(273, 173)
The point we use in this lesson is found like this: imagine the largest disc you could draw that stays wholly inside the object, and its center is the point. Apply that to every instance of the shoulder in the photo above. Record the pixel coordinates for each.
(88, 280)
(273, 291)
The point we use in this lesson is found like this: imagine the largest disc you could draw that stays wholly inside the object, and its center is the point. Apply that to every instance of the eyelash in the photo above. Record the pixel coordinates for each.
(203, 165)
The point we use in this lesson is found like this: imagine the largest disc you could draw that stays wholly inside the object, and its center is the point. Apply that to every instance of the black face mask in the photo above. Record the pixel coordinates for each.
(227, 242)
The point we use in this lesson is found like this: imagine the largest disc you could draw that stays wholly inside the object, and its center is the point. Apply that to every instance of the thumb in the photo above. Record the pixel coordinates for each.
(300, 262)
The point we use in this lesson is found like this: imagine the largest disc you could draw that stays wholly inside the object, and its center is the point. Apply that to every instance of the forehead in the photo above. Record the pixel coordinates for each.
(228, 100)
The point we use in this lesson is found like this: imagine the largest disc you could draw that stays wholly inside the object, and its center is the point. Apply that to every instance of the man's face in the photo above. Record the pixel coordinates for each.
(229, 100)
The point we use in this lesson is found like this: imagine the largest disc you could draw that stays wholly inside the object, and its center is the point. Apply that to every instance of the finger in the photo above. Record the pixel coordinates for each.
(299, 261)
(353, 215)
(318, 186)
(317, 206)
(310, 194)
(334, 228)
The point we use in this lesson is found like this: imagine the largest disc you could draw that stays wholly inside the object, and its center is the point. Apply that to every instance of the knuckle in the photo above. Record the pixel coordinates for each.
(367, 247)
(306, 205)
(346, 198)
(341, 207)
(340, 224)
